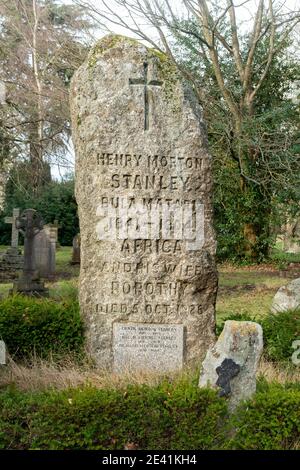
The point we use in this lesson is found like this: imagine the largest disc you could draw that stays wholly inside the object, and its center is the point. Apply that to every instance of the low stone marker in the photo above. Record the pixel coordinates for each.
(2, 353)
(231, 364)
(287, 297)
(151, 347)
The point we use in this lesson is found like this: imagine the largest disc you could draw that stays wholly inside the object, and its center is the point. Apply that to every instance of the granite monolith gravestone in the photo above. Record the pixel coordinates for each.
(148, 278)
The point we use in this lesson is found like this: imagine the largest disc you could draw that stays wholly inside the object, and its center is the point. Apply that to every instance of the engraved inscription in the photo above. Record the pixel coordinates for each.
(136, 346)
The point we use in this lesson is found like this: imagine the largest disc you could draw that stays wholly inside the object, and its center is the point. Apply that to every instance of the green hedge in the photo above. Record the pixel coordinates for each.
(165, 417)
(271, 421)
(280, 330)
(40, 326)
(162, 417)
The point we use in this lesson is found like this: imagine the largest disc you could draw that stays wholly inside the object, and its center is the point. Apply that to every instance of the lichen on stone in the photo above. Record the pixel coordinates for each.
(106, 43)
(78, 121)
(170, 75)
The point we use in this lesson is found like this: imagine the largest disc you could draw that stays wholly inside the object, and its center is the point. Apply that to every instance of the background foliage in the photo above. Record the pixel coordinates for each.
(55, 202)
(40, 327)
(279, 330)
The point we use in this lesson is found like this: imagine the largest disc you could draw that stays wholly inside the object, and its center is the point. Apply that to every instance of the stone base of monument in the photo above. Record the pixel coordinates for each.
(11, 263)
(12, 254)
(30, 288)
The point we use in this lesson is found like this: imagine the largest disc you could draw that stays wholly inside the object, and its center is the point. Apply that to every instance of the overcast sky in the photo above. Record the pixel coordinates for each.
(245, 10)
(244, 15)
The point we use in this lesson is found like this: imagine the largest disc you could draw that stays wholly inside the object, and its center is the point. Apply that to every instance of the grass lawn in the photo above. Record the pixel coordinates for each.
(250, 289)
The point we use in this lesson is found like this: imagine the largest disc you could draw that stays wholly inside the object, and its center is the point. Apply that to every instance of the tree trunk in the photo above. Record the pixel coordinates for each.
(37, 127)
(255, 227)
(40, 173)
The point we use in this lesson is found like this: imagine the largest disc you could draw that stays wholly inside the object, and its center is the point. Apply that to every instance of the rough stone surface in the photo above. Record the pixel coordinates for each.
(287, 297)
(231, 364)
(140, 346)
(147, 144)
(2, 353)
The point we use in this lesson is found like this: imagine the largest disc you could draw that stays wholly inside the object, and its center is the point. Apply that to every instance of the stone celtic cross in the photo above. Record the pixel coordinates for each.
(144, 81)
(14, 230)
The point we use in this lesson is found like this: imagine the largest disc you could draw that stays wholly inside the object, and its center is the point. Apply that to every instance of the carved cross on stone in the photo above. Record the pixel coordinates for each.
(14, 230)
(144, 81)
(226, 371)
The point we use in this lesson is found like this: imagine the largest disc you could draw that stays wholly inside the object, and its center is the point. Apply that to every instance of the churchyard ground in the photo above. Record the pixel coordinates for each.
(41, 383)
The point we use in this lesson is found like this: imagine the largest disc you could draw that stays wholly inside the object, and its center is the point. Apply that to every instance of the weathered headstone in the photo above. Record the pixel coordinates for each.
(76, 250)
(30, 224)
(52, 231)
(45, 251)
(143, 187)
(11, 261)
(287, 297)
(2, 353)
(231, 364)
(56, 226)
